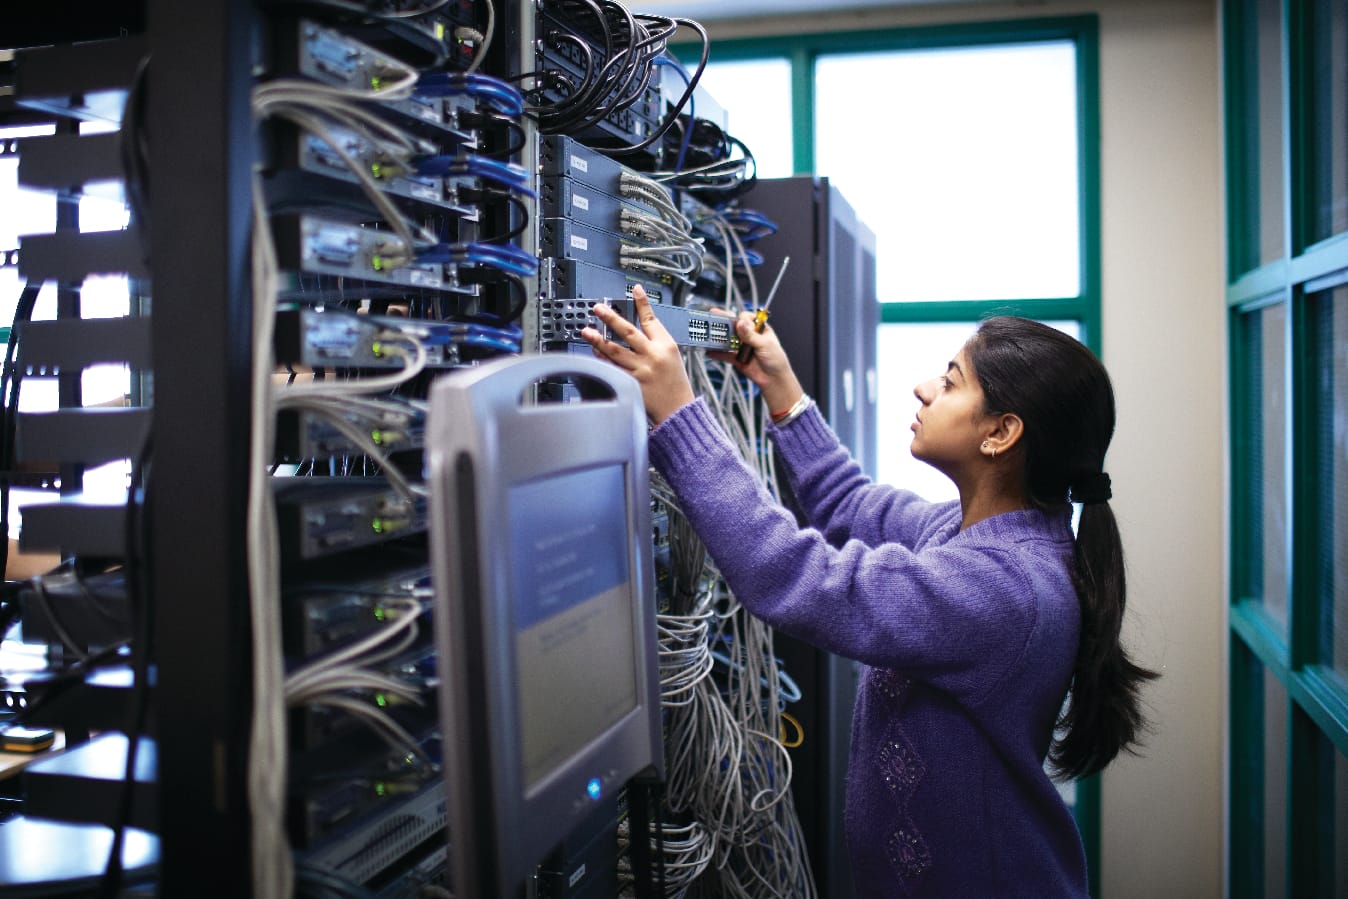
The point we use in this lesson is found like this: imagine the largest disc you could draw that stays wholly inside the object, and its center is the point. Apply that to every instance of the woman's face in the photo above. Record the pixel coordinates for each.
(951, 424)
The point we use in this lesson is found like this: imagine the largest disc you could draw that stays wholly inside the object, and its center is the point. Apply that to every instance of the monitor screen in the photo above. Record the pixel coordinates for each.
(546, 636)
(571, 598)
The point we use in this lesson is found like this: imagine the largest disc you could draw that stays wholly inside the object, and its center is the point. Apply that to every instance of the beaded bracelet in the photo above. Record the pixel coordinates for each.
(782, 419)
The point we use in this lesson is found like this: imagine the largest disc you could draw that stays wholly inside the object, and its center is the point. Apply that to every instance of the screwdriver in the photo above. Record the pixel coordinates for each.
(761, 316)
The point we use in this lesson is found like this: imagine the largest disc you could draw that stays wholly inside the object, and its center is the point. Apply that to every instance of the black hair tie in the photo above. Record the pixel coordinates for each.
(1093, 489)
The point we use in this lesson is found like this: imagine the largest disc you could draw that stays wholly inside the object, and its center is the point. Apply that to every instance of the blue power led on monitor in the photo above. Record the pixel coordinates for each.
(544, 608)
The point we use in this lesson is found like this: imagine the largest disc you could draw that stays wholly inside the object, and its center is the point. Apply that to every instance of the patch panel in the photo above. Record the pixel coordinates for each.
(564, 197)
(562, 156)
(571, 278)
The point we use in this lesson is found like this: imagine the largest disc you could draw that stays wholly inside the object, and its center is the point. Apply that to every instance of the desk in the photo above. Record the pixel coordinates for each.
(13, 762)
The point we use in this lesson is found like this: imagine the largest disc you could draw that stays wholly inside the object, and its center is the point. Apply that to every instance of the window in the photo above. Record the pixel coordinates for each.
(756, 93)
(971, 182)
(1287, 296)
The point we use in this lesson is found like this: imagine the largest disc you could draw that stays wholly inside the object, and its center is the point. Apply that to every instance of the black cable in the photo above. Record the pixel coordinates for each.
(511, 127)
(659, 132)
(57, 625)
(488, 276)
(134, 153)
(494, 196)
(10, 379)
(563, 115)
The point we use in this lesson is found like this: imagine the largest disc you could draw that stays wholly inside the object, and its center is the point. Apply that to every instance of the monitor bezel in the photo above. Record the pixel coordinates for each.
(484, 438)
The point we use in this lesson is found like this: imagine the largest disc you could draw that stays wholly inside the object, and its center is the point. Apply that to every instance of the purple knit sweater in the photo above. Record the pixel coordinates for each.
(968, 639)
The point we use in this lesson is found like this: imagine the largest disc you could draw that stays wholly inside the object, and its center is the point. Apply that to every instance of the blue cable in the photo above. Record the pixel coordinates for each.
(504, 95)
(762, 225)
(512, 176)
(692, 116)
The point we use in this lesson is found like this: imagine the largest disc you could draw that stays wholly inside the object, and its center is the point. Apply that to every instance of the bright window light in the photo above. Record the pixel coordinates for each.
(963, 161)
(757, 97)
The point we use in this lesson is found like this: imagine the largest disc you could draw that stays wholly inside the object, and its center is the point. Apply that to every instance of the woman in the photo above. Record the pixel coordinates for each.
(973, 618)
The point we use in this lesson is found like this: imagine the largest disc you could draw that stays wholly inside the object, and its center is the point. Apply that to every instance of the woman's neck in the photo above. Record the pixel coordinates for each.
(987, 498)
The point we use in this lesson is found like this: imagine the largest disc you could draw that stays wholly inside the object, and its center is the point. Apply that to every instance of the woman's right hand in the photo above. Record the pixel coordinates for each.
(769, 367)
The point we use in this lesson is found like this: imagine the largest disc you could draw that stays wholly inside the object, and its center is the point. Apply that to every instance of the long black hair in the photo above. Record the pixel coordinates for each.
(1063, 395)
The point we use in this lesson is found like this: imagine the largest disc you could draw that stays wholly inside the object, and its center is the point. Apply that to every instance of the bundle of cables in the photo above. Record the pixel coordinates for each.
(316, 108)
(716, 171)
(615, 51)
(346, 680)
(664, 242)
(311, 107)
(728, 771)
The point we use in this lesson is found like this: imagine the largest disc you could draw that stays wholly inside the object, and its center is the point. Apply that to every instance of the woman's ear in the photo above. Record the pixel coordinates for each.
(1005, 433)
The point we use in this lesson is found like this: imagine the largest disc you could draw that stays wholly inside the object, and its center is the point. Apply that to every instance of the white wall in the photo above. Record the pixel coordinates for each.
(1164, 328)
(1164, 342)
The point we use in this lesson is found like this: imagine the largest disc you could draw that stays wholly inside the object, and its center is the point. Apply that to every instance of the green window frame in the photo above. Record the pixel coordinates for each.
(803, 50)
(1262, 648)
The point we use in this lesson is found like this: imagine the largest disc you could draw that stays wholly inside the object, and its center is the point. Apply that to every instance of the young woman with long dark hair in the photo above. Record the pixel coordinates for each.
(975, 619)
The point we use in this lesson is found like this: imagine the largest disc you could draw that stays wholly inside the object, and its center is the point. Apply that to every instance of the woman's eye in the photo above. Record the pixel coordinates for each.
(945, 382)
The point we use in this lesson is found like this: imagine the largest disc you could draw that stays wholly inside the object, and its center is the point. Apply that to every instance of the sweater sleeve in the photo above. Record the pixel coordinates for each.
(958, 616)
(835, 495)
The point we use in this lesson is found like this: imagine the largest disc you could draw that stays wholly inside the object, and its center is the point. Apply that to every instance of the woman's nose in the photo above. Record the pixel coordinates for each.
(922, 391)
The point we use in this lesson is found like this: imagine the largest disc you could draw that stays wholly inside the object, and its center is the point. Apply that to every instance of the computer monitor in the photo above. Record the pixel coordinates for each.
(544, 612)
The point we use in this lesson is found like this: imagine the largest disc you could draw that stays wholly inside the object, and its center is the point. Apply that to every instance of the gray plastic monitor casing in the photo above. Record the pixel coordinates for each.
(484, 434)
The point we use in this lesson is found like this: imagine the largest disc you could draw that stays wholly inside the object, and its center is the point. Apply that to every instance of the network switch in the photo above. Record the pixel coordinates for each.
(318, 516)
(302, 434)
(335, 607)
(325, 246)
(332, 338)
(328, 56)
(561, 321)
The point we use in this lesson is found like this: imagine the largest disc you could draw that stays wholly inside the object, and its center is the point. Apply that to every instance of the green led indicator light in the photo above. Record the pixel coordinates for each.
(378, 525)
(377, 437)
(381, 700)
(380, 789)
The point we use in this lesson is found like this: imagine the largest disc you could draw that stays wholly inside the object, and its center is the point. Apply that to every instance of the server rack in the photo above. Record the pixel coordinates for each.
(196, 105)
(825, 314)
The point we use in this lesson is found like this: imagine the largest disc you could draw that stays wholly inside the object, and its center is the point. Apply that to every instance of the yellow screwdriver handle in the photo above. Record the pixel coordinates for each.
(747, 352)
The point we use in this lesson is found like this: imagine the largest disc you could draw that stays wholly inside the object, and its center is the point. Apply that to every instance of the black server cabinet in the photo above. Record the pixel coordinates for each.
(826, 315)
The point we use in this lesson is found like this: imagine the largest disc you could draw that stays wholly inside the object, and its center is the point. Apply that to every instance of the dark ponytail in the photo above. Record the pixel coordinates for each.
(1063, 395)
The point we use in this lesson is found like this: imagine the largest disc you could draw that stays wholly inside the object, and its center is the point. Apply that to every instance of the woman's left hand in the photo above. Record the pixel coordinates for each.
(651, 356)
